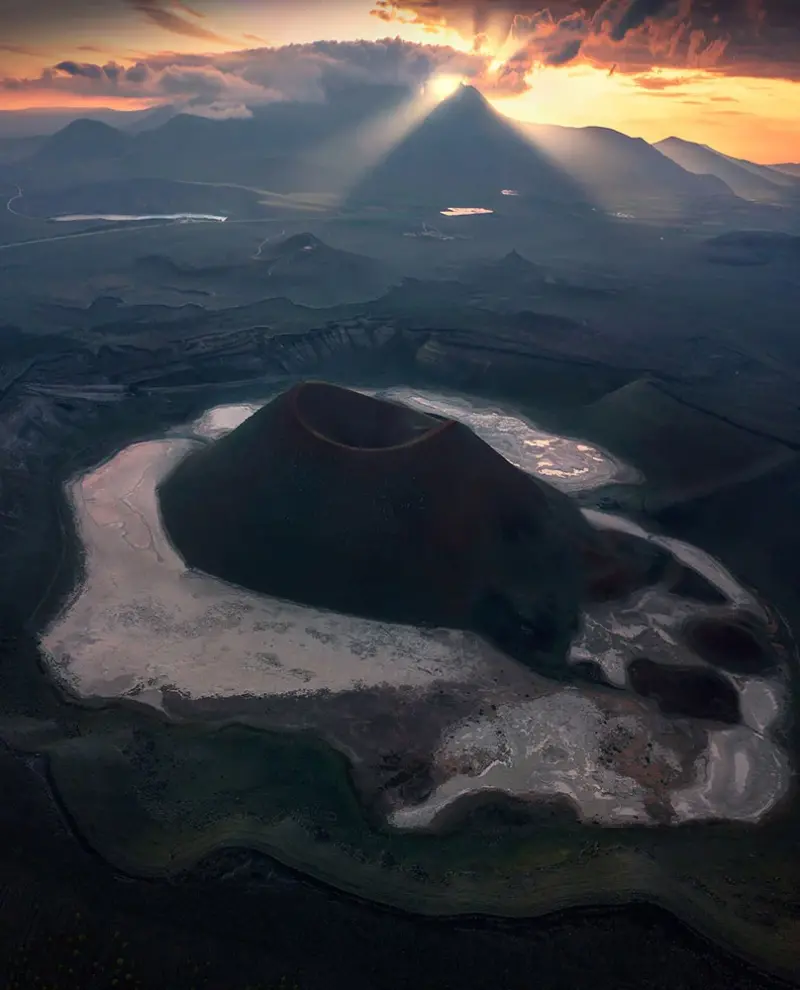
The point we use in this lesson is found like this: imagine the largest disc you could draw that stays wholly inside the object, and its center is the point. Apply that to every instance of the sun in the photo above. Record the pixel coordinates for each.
(443, 86)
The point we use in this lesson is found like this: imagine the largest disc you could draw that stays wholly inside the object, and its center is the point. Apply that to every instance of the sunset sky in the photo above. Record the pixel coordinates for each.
(722, 72)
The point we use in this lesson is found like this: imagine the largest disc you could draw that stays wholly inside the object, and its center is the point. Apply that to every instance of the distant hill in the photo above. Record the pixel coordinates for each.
(302, 264)
(300, 268)
(615, 169)
(84, 139)
(463, 154)
(512, 284)
(510, 267)
(279, 146)
(286, 147)
(759, 183)
(44, 121)
(83, 151)
(754, 247)
(515, 273)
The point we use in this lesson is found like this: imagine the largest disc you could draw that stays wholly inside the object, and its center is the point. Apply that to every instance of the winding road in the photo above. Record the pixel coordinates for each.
(63, 237)
(13, 199)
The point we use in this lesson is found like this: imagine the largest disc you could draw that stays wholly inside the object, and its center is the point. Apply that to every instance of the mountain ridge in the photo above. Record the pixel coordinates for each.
(759, 183)
(612, 163)
(462, 153)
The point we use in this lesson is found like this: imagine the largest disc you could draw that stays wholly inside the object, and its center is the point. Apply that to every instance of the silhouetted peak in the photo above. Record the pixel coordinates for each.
(467, 96)
(467, 102)
(86, 137)
(512, 263)
(86, 127)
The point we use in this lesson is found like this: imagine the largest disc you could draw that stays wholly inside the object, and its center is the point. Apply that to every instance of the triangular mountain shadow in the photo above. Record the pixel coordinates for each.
(464, 154)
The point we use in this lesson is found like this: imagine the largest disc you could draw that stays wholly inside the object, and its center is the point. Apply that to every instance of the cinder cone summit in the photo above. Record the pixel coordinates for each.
(339, 500)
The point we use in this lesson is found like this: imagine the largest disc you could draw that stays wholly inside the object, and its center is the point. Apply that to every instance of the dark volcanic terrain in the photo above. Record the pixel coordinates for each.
(633, 304)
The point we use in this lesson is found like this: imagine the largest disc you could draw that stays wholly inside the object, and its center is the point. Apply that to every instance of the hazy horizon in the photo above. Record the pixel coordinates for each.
(722, 74)
(56, 118)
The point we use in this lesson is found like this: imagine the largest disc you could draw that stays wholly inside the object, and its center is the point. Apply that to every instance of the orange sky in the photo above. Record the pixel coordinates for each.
(754, 118)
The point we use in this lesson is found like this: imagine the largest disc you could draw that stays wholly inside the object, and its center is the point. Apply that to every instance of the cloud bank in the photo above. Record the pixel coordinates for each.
(226, 85)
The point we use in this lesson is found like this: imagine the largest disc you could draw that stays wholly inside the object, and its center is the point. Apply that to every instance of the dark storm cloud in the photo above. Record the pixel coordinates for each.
(85, 69)
(737, 37)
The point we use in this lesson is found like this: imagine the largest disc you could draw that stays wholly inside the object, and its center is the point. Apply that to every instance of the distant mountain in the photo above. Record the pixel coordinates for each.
(759, 183)
(301, 268)
(286, 147)
(139, 121)
(84, 151)
(84, 139)
(305, 252)
(44, 121)
(306, 270)
(615, 169)
(512, 283)
(464, 154)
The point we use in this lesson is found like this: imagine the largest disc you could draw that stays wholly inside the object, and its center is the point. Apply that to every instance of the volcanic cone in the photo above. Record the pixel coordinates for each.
(339, 500)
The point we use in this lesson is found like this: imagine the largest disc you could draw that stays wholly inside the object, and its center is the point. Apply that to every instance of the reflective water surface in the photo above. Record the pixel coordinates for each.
(125, 217)
(464, 211)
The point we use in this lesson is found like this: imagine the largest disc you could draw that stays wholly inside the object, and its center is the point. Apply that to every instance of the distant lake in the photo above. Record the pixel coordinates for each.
(121, 217)
(463, 211)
